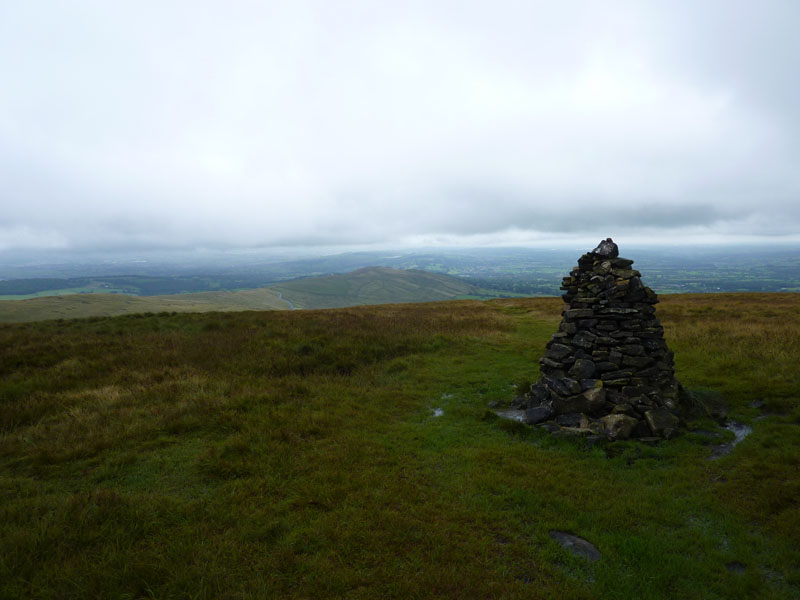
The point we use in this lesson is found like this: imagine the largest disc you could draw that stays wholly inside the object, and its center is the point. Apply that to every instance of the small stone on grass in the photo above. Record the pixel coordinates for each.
(577, 545)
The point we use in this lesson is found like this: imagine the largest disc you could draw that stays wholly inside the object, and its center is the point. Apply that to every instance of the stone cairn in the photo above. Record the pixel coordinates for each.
(607, 371)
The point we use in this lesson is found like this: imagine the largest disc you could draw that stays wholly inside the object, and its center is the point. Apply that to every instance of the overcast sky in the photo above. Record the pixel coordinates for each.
(135, 124)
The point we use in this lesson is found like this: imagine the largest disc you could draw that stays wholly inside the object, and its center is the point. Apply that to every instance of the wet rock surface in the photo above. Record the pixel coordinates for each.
(608, 361)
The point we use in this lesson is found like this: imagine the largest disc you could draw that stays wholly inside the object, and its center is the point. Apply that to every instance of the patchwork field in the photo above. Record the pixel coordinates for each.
(350, 453)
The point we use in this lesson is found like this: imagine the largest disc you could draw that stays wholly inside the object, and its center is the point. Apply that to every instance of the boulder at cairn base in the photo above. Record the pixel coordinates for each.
(609, 356)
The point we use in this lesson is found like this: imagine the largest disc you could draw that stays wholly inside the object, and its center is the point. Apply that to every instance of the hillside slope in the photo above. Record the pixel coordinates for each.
(75, 306)
(372, 285)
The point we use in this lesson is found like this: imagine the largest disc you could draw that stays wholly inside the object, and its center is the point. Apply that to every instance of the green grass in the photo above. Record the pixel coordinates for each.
(296, 455)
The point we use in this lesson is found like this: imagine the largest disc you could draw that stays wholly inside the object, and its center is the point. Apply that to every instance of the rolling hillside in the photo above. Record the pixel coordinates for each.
(75, 306)
(372, 285)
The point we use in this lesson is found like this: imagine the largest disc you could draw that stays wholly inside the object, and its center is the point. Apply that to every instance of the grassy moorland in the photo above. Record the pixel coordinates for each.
(374, 285)
(76, 306)
(297, 455)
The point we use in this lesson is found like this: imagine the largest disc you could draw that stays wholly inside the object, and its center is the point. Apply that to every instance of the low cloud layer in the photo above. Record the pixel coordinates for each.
(134, 125)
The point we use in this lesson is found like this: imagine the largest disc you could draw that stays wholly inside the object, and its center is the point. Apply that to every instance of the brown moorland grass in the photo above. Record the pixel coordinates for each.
(297, 454)
(76, 306)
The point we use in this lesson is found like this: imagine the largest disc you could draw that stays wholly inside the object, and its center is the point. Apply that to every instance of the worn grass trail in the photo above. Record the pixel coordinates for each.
(280, 454)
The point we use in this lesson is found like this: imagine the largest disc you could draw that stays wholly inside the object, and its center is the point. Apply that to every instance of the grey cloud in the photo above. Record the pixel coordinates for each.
(184, 124)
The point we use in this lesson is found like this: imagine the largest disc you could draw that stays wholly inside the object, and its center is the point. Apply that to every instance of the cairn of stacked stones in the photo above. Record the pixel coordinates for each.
(607, 371)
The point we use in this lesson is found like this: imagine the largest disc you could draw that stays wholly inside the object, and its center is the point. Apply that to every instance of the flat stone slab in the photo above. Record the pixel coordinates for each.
(577, 545)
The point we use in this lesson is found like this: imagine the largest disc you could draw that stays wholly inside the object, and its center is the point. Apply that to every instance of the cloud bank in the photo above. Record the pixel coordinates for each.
(180, 124)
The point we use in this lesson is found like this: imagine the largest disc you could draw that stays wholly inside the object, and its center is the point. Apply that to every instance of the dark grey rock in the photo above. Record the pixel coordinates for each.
(574, 385)
(639, 362)
(558, 351)
(570, 419)
(648, 372)
(607, 248)
(654, 344)
(576, 545)
(584, 339)
(660, 420)
(633, 350)
(602, 268)
(616, 383)
(518, 402)
(641, 431)
(621, 263)
(539, 394)
(623, 408)
(588, 402)
(582, 369)
(618, 310)
(625, 275)
(638, 390)
(587, 323)
(612, 375)
(568, 327)
(549, 362)
(618, 426)
(596, 395)
(578, 313)
(537, 414)
(587, 384)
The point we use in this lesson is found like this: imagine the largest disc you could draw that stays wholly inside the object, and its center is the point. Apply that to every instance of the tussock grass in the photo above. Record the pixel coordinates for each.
(298, 455)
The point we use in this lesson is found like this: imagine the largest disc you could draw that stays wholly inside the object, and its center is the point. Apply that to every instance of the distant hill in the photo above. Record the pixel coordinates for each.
(73, 306)
(371, 285)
